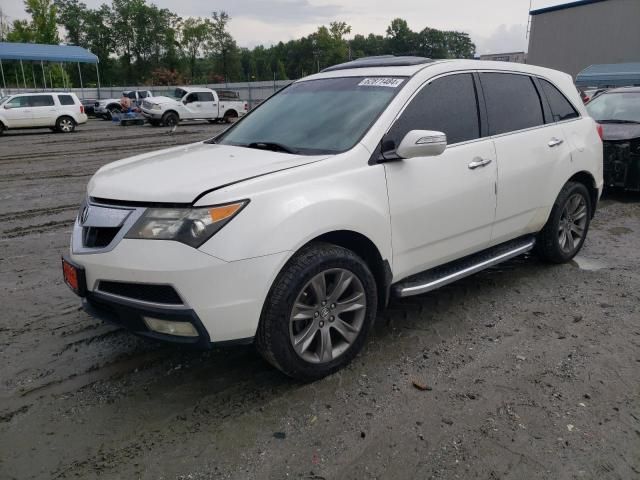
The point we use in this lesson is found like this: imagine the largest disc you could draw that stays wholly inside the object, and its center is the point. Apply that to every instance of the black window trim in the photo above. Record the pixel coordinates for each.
(548, 102)
(532, 76)
(479, 105)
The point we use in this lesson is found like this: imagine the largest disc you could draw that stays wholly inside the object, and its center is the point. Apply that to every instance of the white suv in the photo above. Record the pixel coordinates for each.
(59, 111)
(386, 177)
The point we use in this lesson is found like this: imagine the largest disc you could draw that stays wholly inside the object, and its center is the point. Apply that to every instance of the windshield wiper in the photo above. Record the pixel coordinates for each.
(273, 146)
(614, 120)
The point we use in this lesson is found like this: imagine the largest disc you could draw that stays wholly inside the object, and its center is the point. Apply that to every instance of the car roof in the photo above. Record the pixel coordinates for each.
(408, 69)
(27, 94)
(195, 89)
(633, 89)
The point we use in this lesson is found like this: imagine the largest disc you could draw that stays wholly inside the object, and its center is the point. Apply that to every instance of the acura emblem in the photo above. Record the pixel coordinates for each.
(84, 213)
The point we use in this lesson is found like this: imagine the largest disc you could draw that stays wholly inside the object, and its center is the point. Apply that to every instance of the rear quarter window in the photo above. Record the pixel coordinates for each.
(512, 102)
(561, 108)
(66, 100)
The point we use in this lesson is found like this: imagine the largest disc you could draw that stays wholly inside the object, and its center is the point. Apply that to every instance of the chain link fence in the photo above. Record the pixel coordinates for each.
(252, 92)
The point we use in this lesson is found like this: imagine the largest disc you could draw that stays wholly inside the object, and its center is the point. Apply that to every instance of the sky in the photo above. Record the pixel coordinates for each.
(495, 26)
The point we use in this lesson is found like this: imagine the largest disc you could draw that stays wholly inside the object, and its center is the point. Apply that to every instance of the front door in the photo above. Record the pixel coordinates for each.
(442, 207)
(17, 112)
(192, 105)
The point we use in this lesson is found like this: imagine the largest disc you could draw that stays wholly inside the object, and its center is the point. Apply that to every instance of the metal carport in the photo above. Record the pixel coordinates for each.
(35, 52)
(609, 75)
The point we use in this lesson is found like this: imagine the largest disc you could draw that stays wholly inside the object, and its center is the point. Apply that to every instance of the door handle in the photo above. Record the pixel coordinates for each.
(554, 142)
(479, 162)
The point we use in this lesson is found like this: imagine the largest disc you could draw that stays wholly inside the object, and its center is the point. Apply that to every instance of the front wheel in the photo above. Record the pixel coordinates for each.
(318, 312)
(65, 125)
(170, 119)
(566, 230)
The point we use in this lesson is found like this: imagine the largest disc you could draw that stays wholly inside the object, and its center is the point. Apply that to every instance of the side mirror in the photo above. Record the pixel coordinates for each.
(422, 143)
(7, 106)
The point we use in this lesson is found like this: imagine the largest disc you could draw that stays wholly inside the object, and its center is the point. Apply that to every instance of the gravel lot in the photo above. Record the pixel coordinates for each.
(532, 371)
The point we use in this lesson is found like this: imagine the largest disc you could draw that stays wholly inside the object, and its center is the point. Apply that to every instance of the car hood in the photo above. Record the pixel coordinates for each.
(181, 174)
(162, 99)
(620, 131)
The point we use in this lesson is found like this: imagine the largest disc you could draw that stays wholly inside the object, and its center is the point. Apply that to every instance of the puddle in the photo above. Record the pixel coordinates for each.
(584, 263)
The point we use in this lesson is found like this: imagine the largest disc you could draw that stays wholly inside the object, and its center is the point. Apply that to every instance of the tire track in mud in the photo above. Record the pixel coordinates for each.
(19, 232)
(36, 212)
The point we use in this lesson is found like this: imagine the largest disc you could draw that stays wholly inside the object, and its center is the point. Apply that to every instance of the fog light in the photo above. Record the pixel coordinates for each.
(180, 329)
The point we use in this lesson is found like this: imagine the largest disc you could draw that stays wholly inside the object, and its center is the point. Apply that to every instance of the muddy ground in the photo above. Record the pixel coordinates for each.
(533, 371)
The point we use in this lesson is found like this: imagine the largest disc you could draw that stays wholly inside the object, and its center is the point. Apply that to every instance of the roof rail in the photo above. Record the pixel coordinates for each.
(380, 61)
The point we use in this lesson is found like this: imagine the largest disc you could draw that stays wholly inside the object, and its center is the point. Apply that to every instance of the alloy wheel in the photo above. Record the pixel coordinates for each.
(66, 125)
(573, 223)
(327, 315)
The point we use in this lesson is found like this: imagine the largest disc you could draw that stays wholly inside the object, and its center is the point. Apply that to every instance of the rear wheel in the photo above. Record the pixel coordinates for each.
(2, 128)
(318, 312)
(170, 119)
(566, 230)
(65, 125)
(230, 117)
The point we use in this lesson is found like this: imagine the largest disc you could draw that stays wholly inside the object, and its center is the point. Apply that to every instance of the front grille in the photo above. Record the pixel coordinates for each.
(98, 237)
(164, 294)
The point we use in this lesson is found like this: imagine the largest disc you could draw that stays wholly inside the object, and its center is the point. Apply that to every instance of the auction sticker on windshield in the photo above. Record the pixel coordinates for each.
(381, 82)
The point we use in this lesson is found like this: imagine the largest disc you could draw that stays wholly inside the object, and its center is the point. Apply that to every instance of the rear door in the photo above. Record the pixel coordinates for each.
(442, 207)
(209, 106)
(43, 110)
(528, 152)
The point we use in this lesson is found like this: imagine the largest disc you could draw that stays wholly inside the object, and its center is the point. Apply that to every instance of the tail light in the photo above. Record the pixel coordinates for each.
(246, 106)
(81, 108)
(600, 131)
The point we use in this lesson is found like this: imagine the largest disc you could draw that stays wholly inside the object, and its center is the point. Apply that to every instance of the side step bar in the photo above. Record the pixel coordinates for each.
(450, 272)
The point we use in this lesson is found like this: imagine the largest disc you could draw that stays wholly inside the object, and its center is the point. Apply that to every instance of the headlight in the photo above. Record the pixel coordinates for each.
(191, 226)
(155, 106)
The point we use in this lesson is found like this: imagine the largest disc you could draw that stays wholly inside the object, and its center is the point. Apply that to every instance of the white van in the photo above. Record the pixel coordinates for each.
(59, 111)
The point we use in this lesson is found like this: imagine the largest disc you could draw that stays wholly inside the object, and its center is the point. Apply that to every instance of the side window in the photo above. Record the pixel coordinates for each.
(512, 101)
(561, 108)
(448, 104)
(66, 100)
(192, 97)
(41, 101)
(142, 94)
(17, 102)
(205, 97)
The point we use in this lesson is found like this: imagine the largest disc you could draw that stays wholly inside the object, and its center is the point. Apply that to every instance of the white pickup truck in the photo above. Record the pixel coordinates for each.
(192, 103)
(106, 108)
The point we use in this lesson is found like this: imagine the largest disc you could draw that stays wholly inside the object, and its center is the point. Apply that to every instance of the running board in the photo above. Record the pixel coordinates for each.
(450, 272)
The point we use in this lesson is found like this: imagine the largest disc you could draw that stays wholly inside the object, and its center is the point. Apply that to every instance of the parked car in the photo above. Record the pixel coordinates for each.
(592, 93)
(61, 112)
(105, 109)
(89, 106)
(386, 177)
(618, 111)
(192, 103)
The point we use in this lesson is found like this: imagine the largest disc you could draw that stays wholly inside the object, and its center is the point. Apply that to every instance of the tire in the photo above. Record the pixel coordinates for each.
(65, 125)
(2, 128)
(230, 116)
(212, 121)
(111, 112)
(296, 285)
(566, 229)
(170, 119)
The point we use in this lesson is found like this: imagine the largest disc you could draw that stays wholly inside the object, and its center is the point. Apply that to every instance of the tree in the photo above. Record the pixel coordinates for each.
(72, 15)
(43, 20)
(195, 33)
(21, 32)
(220, 43)
(401, 40)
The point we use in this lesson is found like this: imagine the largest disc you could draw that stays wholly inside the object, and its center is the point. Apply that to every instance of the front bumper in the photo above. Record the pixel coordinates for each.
(131, 316)
(224, 298)
(622, 164)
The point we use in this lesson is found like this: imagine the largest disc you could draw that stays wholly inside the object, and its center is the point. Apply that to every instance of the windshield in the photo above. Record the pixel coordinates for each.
(615, 107)
(178, 93)
(315, 117)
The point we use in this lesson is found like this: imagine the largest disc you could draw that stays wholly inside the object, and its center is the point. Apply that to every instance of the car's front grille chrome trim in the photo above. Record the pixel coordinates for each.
(99, 227)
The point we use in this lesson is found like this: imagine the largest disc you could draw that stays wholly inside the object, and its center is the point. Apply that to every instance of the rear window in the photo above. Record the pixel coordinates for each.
(205, 97)
(561, 108)
(66, 100)
(41, 101)
(512, 101)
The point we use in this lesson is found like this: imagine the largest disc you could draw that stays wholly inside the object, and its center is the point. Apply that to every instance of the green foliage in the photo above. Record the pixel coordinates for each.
(140, 43)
